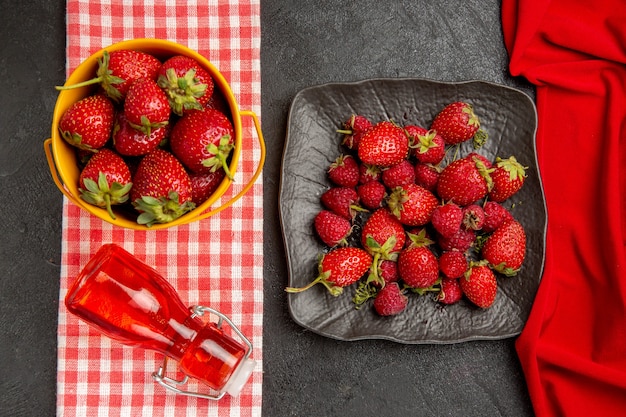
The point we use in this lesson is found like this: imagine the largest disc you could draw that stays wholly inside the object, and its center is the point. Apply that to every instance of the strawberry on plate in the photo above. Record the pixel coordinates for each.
(447, 219)
(412, 205)
(161, 189)
(331, 228)
(390, 300)
(339, 268)
(117, 70)
(203, 140)
(371, 194)
(464, 181)
(418, 266)
(353, 130)
(383, 234)
(87, 123)
(146, 106)
(398, 175)
(344, 171)
(105, 180)
(479, 285)
(384, 145)
(457, 123)
(450, 291)
(186, 83)
(342, 201)
(508, 178)
(505, 248)
(495, 215)
(426, 145)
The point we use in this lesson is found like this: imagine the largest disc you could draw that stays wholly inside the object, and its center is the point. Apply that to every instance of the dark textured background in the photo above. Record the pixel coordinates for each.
(303, 44)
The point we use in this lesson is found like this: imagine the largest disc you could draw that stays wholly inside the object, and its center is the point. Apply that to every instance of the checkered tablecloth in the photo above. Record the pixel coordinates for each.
(217, 262)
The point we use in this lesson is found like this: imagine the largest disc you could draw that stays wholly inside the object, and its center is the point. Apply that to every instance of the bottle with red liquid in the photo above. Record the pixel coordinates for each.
(130, 302)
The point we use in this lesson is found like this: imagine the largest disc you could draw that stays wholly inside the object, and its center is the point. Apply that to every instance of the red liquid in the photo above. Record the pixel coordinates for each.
(130, 302)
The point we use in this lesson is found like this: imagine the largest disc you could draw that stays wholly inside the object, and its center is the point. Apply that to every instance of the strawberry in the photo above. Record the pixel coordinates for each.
(203, 185)
(146, 106)
(508, 177)
(399, 175)
(339, 268)
(344, 171)
(505, 248)
(450, 291)
(426, 145)
(458, 123)
(427, 176)
(186, 83)
(342, 201)
(473, 217)
(161, 188)
(353, 129)
(453, 263)
(388, 271)
(105, 180)
(117, 70)
(390, 300)
(495, 215)
(447, 219)
(368, 173)
(383, 234)
(479, 285)
(129, 141)
(418, 266)
(87, 123)
(412, 205)
(331, 228)
(462, 240)
(371, 194)
(203, 140)
(385, 145)
(464, 181)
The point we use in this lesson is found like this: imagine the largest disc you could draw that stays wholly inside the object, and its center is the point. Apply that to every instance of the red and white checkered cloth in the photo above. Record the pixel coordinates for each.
(217, 262)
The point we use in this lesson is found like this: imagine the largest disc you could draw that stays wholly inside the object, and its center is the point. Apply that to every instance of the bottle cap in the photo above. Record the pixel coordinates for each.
(239, 377)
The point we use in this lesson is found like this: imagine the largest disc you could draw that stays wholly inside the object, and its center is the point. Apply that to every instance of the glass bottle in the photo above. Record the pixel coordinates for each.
(130, 302)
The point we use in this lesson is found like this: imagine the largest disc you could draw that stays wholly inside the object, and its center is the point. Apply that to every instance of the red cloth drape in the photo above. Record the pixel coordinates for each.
(573, 348)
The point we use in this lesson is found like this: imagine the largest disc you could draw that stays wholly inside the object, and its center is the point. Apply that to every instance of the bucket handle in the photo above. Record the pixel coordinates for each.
(47, 146)
(252, 180)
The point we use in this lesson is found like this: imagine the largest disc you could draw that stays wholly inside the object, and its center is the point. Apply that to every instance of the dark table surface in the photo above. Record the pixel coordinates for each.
(303, 44)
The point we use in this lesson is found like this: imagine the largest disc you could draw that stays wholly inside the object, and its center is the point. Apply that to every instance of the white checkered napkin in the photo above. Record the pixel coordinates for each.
(216, 262)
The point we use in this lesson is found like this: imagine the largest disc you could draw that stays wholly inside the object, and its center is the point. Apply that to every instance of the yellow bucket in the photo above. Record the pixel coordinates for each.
(61, 156)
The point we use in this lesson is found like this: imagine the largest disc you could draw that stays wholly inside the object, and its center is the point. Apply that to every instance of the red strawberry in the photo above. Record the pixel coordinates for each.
(342, 201)
(186, 83)
(399, 175)
(479, 285)
(385, 145)
(473, 217)
(105, 180)
(353, 129)
(464, 181)
(368, 173)
(129, 141)
(388, 271)
(495, 215)
(447, 219)
(331, 228)
(146, 106)
(427, 176)
(418, 266)
(383, 234)
(87, 123)
(412, 205)
(457, 123)
(505, 248)
(462, 240)
(453, 264)
(204, 185)
(371, 194)
(450, 292)
(344, 171)
(339, 268)
(203, 140)
(426, 145)
(508, 177)
(390, 300)
(161, 189)
(117, 70)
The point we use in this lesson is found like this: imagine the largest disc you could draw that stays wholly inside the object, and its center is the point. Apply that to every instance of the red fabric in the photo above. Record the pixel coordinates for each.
(216, 262)
(573, 348)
